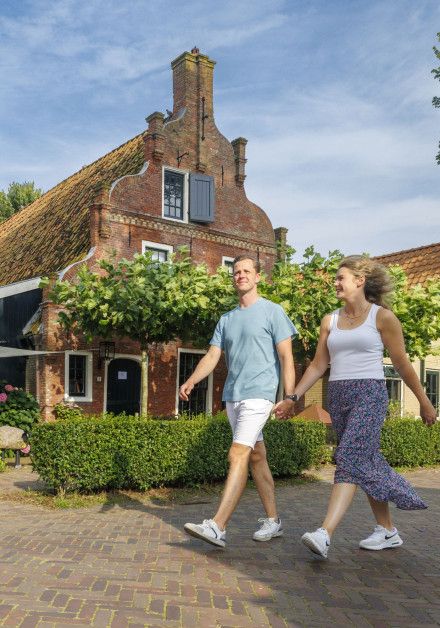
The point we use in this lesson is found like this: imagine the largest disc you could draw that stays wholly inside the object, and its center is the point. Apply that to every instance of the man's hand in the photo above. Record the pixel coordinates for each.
(284, 409)
(185, 390)
(428, 413)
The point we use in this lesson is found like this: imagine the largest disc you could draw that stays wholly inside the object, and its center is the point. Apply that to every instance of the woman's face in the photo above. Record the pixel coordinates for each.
(347, 285)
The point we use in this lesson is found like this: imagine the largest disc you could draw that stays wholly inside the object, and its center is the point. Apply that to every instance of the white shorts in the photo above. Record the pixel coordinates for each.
(247, 419)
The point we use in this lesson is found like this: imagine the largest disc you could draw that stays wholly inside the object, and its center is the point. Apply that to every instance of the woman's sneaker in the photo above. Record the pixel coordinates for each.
(269, 529)
(207, 531)
(381, 539)
(318, 541)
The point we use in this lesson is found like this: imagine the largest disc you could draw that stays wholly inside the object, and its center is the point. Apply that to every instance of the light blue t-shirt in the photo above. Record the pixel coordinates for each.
(249, 336)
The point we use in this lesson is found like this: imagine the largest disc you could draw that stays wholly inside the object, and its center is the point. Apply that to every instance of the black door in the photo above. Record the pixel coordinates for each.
(123, 386)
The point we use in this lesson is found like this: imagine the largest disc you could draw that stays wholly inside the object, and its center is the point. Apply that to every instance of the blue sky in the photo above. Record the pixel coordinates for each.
(334, 97)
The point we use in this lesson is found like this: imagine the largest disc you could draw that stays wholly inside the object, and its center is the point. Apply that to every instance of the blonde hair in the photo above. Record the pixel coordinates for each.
(378, 286)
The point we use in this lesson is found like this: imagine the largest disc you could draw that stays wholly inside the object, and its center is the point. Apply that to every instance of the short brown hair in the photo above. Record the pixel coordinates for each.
(255, 262)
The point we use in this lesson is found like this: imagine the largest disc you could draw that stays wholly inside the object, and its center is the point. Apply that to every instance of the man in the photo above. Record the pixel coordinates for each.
(256, 338)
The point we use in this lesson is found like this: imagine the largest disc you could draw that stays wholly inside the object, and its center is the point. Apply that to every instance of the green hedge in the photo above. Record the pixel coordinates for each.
(92, 453)
(409, 442)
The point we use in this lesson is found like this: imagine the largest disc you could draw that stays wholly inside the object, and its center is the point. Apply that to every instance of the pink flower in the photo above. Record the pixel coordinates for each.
(3, 397)
(9, 388)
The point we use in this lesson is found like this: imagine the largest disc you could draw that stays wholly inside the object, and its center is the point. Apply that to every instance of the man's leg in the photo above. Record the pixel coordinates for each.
(235, 483)
(263, 479)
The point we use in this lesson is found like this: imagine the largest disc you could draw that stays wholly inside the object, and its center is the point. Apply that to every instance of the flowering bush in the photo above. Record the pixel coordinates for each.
(17, 407)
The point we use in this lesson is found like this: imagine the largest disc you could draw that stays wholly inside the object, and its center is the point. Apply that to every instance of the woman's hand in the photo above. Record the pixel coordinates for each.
(428, 413)
(284, 409)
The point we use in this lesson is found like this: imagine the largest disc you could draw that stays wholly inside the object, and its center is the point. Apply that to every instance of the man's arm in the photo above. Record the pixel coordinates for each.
(285, 354)
(206, 365)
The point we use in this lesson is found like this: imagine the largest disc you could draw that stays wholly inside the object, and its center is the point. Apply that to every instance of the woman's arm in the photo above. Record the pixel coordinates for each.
(314, 371)
(392, 337)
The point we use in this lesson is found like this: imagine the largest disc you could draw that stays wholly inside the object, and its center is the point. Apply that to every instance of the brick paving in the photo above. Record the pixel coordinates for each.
(132, 566)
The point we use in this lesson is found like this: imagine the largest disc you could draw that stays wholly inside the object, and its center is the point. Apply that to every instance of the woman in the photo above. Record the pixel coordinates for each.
(352, 339)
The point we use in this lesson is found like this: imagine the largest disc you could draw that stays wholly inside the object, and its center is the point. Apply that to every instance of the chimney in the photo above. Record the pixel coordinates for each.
(192, 81)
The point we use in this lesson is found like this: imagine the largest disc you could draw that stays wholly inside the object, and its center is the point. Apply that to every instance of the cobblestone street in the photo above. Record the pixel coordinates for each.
(134, 566)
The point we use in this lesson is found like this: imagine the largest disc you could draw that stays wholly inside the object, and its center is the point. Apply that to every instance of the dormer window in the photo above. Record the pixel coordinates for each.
(188, 196)
(174, 195)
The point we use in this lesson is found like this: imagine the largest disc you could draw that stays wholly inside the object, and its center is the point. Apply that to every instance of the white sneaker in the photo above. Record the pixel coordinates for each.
(207, 531)
(270, 528)
(381, 539)
(318, 541)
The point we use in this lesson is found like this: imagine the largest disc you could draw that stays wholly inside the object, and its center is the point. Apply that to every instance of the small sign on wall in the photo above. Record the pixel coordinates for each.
(122, 374)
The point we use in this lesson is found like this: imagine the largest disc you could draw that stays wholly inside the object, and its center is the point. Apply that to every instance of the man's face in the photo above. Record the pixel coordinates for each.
(246, 277)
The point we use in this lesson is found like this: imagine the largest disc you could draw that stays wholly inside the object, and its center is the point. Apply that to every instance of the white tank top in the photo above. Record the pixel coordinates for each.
(356, 353)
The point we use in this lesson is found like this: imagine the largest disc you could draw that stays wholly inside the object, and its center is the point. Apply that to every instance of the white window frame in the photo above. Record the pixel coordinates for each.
(158, 246)
(185, 173)
(402, 386)
(225, 259)
(181, 350)
(89, 377)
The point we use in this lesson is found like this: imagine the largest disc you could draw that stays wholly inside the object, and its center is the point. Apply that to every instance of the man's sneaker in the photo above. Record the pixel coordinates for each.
(269, 529)
(318, 541)
(207, 531)
(381, 539)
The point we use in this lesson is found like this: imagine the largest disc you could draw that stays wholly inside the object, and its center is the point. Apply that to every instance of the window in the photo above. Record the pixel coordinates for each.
(432, 388)
(200, 400)
(78, 376)
(188, 196)
(229, 263)
(174, 195)
(160, 252)
(394, 383)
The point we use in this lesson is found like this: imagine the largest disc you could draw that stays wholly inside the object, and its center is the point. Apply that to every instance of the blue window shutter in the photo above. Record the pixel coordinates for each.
(201, 198)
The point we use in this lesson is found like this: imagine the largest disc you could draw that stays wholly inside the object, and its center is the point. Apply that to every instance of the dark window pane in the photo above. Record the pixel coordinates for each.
(198, 399)
(394, 389)
(173, 195)
(77, 375)
(158, 255)
(432, 388)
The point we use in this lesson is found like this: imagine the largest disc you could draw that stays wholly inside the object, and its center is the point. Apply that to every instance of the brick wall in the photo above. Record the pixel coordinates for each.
(131, 211)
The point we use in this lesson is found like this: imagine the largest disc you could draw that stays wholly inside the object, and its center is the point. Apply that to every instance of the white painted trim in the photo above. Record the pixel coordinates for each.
(158, 246)
(210, 380)
(19, 287)
(137, 174)
(185, 173)
(225, 259)
(81, 261)
(89, 377)
(124, 356)
(402, 385)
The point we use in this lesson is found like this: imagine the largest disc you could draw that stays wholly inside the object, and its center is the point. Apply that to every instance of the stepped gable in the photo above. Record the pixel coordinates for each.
(420, 264)
(53, 231)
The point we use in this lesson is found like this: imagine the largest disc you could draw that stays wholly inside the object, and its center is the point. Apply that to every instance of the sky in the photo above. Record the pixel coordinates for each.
(334, 97)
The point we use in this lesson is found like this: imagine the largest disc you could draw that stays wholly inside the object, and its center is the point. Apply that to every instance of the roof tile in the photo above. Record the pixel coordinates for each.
(47, 235)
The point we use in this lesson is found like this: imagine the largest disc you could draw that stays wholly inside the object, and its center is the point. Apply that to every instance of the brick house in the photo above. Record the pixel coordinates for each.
(420, 264)
(180, 182)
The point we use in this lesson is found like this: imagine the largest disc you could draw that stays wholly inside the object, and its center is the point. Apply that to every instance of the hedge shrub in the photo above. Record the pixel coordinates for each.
(92, 453)
(409, 442)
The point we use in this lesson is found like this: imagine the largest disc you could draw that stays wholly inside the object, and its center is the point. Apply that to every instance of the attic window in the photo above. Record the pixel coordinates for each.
(174, 195)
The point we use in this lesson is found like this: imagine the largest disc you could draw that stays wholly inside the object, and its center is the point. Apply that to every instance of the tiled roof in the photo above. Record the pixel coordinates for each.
(53, 231)
(419, 264)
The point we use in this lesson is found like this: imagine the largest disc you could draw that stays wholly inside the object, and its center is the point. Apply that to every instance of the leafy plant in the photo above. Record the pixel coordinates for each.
(17, 407)
(95, 453)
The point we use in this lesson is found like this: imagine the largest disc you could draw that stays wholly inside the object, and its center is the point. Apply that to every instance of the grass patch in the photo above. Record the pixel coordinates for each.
(159, 497)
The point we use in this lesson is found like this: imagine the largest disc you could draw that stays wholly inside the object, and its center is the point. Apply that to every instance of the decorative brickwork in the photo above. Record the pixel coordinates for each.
(115, 204)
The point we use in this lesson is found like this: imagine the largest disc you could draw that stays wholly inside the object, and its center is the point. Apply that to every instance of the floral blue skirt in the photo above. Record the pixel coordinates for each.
(357, 409)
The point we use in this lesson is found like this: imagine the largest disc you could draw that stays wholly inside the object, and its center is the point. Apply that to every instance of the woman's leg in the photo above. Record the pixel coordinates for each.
(340, 499)
(381, 512)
